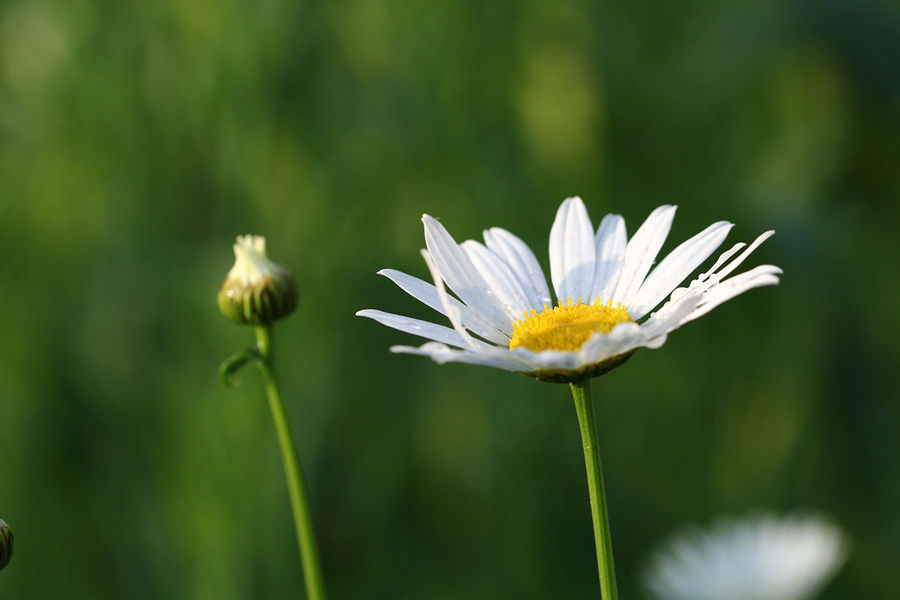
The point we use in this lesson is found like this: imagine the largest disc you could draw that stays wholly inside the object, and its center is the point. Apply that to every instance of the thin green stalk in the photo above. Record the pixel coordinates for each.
(306, 537)
(581, 391)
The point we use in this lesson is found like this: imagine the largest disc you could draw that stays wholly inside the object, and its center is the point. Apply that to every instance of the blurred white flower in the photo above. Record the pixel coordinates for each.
(758, 558)
(503, 316)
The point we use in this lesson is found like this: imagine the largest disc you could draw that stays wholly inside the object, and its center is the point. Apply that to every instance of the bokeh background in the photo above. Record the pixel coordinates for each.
(138, 138)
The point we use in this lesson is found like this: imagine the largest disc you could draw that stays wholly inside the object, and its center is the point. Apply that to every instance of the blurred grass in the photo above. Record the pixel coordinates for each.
(137, 139)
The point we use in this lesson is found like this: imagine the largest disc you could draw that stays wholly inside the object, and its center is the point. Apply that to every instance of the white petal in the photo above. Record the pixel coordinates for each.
(719, 261)
(520, 360)
(675, 267)
(427, 294)
(628, 336)
(641, 251)
(704, 280)
(736, 262)
(496, 274)
(610, 243)
(547, 359)
(622, 338)
(672, 314)
(728, 289)
(501, 359)
(572, 252)
(461, 276)
(417, 327)
(453, 313)
(522, 262)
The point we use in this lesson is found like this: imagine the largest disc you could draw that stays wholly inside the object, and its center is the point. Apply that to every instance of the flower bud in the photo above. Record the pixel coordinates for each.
(256, 290)
(6, 544)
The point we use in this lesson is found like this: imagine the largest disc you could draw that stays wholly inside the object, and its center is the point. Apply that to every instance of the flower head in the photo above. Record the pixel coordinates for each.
(502, 314)
(759, 558)
(256, 290)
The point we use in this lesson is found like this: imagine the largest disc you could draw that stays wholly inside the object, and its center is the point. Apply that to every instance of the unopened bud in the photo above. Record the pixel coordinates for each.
(6, 544)
(256, 290)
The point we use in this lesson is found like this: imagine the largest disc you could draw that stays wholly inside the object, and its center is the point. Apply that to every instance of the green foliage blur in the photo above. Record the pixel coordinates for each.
(137, 139)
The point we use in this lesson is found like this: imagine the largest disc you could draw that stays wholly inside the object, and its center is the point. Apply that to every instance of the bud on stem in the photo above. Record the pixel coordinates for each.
(6, 544)
(256, 291)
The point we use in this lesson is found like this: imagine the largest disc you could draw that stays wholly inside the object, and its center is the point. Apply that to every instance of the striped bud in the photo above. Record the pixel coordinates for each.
(6, 544)
(256, 290)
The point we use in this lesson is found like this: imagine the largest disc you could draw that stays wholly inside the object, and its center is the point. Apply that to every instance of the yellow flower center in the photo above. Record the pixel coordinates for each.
(566, 327)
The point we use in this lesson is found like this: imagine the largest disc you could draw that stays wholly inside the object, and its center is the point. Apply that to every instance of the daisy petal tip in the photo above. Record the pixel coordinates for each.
(763, 237)
(767, 271)
(666, 211)
(428, 220)
(427, 346)
(657, 342)
(571, 202)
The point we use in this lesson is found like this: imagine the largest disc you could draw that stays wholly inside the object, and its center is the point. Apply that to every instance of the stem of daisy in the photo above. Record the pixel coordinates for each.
(306, 537)
(581, 391)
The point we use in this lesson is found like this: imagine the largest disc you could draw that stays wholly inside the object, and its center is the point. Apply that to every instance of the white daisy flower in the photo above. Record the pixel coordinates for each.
(502, 314)
(760, 558)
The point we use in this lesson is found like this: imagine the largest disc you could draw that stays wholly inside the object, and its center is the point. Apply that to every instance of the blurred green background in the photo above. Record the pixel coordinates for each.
(137, 139)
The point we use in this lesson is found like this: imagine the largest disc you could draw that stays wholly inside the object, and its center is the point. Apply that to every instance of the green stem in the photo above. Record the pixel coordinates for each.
(581, 391)
(306, 537)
